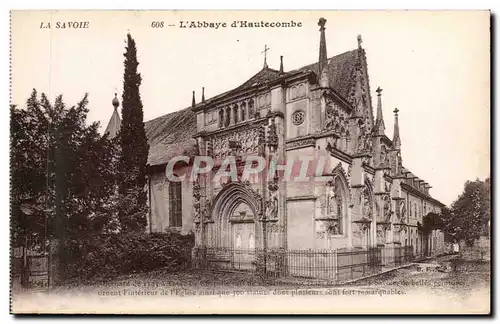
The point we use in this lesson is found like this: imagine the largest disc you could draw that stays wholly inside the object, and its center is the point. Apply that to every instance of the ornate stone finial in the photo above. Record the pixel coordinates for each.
(323, 58)
(193, 102)
(281, 64)
(321, 23)
(360, 40)
(115, 101)
(396, 141)
(379, 123)
(203, 94)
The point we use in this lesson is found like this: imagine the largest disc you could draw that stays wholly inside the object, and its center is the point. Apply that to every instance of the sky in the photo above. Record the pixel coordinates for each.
(433, 66)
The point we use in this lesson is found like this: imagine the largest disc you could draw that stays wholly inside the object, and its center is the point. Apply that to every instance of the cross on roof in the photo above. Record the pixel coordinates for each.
(396, 111)
(265, 54)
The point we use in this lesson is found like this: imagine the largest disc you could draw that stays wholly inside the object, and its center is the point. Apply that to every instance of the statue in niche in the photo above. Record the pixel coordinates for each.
(332, 142)
(272, 208)
(333, 227)
(367, 204)
(387, 208)
(333, 201)
(403, 210)
(329, 117)
(383, 156)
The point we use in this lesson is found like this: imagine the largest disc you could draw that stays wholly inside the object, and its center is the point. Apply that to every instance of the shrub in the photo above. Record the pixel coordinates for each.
(108, 256)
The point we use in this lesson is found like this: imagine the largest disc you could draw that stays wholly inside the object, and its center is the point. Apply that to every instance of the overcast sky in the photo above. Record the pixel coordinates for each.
(433, 66)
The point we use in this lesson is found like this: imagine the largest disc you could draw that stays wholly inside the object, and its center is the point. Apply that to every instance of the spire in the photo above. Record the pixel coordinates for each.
(114, 123)
(396, 140)
(281, 65)
(323, 60)
(203, 94)
(379, 123)
(193, 102)
(358, 93)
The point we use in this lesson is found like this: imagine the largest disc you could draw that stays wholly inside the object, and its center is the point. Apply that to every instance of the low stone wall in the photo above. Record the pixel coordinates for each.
(479, 250)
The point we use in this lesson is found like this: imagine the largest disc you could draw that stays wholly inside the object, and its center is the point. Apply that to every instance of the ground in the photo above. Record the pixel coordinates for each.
(439, 285)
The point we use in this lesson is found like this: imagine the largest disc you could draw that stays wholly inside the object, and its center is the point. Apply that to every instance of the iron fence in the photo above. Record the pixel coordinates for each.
(328, 265)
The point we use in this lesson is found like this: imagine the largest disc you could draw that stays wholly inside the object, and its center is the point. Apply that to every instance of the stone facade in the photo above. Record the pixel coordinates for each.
(362, 196)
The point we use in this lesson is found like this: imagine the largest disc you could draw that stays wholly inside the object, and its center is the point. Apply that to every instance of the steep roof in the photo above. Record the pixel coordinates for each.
(114, 124)
(340, 69)
(171, 134)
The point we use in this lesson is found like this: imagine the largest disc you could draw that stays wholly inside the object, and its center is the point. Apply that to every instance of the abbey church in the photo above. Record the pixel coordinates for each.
(364, 198)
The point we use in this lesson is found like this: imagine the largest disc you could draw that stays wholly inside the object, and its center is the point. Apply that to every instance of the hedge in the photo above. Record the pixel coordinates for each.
(113, 255)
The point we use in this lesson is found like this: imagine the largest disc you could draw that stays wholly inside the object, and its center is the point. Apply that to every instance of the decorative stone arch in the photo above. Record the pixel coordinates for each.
(229, 199)
(338, 192)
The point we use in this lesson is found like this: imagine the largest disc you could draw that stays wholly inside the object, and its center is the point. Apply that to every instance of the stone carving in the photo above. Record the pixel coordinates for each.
(360, 228)
(272, 138)
(210, 148)
(256, 196)
(298, 117)
(403, 211)
(300, 143)
(388, 187)
(272, 208)
(332, 142)
(207, 212)
(336, 119)
(367, 203)
(275, 228)
(320, 235)
(387, 208)
(247, 139)
(333, 227)
(196, 201)
(334, 200)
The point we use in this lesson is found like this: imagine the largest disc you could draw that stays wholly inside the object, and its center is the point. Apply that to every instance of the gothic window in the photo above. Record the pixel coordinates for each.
(250, 109)
(235, 114)
(243, 109)
(175, 203)
(221, 118)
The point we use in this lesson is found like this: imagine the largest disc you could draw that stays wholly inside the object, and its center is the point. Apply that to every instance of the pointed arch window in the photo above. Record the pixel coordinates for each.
(175, 203)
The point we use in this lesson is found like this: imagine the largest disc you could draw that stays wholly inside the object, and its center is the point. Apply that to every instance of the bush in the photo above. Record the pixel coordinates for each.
(109, 256)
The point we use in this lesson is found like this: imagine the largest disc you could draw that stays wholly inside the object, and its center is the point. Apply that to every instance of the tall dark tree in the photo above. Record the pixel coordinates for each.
(134, 146)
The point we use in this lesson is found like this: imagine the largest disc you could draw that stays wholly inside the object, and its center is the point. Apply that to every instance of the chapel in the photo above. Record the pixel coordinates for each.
(365, 196)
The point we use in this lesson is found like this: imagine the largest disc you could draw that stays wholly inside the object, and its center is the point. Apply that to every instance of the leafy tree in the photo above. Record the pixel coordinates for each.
(62, 173)
(134, 146)
(470, 214)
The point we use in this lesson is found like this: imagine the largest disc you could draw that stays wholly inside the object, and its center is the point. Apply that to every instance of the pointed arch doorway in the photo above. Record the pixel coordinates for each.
(235, 213)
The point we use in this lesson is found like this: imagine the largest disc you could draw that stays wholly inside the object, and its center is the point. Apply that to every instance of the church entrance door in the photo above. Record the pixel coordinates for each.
(243, 238)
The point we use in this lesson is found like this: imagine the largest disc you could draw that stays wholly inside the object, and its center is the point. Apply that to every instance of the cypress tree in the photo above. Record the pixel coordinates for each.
(134, 147)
